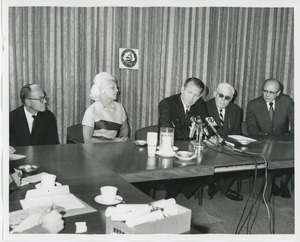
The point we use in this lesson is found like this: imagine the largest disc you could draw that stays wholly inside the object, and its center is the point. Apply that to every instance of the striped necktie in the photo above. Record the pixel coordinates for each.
(271, 110)
(221, 118)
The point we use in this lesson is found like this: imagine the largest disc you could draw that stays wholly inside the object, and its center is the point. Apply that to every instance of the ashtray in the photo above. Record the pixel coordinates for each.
(184, 154)
(28, 168)
(140, 142)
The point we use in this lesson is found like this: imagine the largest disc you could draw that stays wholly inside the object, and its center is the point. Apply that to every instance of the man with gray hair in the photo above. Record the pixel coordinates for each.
(32, 123)
(229, 118)
(105, 118)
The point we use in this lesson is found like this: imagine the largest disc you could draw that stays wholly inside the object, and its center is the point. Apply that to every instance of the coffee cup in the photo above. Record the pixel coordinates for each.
(108, 193)
(48, 180)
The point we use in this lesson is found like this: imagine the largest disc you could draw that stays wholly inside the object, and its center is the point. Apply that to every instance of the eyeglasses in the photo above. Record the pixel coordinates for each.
(41, 99)
(269, 92)
(227, 98)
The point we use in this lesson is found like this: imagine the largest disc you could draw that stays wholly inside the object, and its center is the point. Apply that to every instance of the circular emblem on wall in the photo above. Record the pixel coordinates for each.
(129, 58)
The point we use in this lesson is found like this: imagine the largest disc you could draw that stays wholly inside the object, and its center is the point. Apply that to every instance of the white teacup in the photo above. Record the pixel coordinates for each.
(108, 193)
(48, 180)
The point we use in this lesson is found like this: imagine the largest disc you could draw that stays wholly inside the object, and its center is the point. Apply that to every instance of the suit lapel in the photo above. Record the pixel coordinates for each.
(24, 129)
(180, 109)
(265, 113)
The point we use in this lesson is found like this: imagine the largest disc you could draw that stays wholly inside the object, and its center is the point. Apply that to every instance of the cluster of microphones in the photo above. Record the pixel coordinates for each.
(199, 126)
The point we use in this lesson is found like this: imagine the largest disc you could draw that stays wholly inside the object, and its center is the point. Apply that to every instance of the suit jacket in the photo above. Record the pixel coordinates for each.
(259, 121)
(44, 133)
(172, 114)
(232, 120)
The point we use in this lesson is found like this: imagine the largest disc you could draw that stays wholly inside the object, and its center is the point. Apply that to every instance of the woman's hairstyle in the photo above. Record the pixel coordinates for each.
(98, 81)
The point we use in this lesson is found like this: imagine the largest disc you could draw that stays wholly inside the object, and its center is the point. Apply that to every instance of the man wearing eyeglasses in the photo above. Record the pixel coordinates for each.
(229, 118)
(32, 123)
(272, 113)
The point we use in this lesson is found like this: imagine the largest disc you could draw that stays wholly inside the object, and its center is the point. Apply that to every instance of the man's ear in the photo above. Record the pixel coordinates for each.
(278, 93)
(27, 102)
(215, 93)
(182, 89)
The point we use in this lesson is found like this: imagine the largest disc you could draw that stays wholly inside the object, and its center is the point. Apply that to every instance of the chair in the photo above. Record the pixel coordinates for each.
(74, 134)
(141, 134)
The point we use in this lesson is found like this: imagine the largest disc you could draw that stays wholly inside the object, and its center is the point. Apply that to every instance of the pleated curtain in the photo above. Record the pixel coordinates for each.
(63, 48)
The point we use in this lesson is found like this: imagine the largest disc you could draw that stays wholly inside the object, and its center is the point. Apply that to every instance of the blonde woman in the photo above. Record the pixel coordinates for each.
(105, 118)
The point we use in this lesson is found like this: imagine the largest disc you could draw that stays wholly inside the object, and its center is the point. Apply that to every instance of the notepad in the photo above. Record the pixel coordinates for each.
(59, 196)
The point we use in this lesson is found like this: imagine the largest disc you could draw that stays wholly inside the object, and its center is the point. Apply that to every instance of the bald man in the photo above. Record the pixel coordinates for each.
(229, 118)
(32, 123)
(259, 121)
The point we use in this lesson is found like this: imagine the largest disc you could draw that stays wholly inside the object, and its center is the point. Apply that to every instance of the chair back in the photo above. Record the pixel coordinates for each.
(141, 134)
(74, 134)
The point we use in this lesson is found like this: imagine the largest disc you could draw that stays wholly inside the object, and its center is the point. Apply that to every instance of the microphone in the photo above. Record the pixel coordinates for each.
(211, 122)
(193, 128)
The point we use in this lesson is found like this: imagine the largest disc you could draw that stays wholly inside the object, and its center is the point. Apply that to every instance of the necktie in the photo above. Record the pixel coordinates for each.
(33, 123)
(187, 112)
(221, 118)
(271, 111)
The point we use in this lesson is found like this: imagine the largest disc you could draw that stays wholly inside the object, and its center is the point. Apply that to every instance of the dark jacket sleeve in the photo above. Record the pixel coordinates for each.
(252, 126)
(168, 118)
(238, 122)
(52, 134)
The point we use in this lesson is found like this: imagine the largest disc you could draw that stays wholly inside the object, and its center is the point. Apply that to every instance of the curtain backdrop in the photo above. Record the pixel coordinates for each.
(63, 48)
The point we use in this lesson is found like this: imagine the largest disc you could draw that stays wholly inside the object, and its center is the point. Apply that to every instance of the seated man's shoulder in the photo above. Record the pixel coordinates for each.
(285, 97)
(47, 114)
(170, 99)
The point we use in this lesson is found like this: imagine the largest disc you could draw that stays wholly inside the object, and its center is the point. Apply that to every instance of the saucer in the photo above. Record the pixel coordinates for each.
(99, 199)
(140, 142)
(175, 148)
(186, 158)
(164, 154)
(39, 185)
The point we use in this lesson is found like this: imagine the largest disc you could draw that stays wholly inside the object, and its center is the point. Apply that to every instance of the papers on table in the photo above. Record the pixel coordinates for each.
(34, 178)
(59, 196)
(241, 138)
(16, 157)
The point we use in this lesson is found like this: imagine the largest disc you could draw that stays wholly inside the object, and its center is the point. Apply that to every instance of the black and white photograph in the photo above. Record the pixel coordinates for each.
(138, 120)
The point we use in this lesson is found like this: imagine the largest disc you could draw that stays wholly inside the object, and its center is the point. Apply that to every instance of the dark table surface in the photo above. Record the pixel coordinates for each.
(87, 167)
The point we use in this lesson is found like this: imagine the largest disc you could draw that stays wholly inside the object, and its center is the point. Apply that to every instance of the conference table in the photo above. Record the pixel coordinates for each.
(87, 167)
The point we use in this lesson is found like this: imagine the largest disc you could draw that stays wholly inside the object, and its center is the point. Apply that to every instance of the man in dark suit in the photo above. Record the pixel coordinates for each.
(229, 118)
(258, 118)
(272, 113)
(32, 123)
(175, 111)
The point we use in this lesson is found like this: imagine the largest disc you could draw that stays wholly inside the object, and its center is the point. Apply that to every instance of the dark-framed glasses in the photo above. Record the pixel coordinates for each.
(269, 92)
(227, 98)
(41, 99)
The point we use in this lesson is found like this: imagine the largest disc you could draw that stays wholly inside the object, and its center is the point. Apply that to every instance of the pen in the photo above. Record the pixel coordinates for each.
(173, 124)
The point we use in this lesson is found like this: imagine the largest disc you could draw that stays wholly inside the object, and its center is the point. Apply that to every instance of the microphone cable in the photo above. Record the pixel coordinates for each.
(264, 187)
